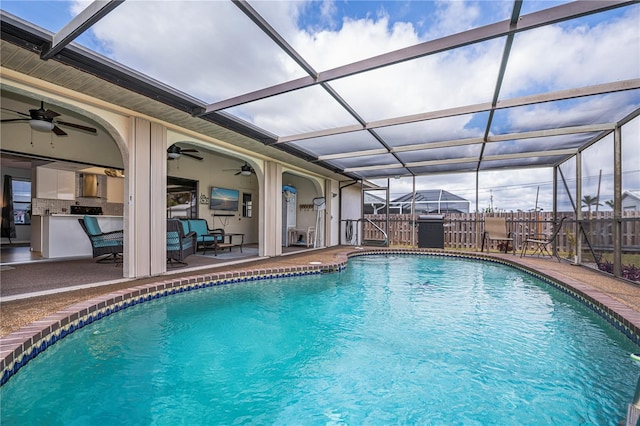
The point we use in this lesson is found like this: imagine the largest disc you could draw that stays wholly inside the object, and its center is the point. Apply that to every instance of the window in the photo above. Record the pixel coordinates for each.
(247, 205)
(21, 189)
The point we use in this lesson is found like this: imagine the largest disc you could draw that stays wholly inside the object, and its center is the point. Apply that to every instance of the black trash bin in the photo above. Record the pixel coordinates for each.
(430, 231)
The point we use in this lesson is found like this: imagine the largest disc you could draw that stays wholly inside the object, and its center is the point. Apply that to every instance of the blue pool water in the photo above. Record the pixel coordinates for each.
(390, 340)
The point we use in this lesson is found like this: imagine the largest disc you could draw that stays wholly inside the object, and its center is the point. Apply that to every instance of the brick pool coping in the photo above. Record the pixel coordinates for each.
(19, 347)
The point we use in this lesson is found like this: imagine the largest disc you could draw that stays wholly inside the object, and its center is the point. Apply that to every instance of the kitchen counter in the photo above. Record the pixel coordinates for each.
(62, 235)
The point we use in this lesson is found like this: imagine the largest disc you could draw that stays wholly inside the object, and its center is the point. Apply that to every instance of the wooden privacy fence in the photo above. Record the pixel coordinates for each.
(460, 229)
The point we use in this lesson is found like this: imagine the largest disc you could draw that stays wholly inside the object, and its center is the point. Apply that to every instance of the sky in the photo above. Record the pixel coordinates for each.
(210, 51)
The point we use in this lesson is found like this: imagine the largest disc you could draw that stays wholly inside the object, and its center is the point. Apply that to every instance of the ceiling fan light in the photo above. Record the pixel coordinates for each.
(245, 172)
(173, 155)
(41, 125)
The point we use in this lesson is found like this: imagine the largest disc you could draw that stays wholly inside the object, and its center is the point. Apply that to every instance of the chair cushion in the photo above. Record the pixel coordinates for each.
(91, 223)
(102, 241)
(173, 240)
(185, 226)
(199, 226)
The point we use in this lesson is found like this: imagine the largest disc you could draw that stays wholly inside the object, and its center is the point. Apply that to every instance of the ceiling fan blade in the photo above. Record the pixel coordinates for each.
(58, 131)
(14, 111)
(237, 173)
(77, 126)
(191, 155)
(14, 119)
(188, 150)
(50, 114)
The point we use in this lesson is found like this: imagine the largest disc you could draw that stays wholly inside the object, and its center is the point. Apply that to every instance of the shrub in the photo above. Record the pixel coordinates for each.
(629, 272)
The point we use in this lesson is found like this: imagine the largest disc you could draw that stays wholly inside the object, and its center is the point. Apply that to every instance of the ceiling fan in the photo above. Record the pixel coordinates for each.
(244, 170)
(174, 152)
(43, 120)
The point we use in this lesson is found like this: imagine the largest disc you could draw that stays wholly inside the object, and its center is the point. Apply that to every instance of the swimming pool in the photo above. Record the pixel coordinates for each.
(391, 339)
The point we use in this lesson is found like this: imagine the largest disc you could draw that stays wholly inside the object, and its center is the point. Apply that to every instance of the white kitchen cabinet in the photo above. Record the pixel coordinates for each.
(115, 190)
(46, 183)
(55, 184)
(66, 185)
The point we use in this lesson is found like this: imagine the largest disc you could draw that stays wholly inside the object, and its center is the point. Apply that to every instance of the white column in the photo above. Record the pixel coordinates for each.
(158, 199)
(333, 213)
(146, 204)
(271, 210)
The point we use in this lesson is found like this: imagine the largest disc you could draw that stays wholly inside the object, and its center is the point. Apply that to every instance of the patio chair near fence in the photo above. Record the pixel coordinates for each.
(495, 229)
(540, 243)
(107, 244)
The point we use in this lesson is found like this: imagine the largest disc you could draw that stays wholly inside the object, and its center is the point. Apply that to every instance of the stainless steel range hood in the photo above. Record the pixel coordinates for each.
(89, 185)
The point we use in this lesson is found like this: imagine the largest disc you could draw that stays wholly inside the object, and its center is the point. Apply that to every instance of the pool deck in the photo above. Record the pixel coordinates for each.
(36, 322)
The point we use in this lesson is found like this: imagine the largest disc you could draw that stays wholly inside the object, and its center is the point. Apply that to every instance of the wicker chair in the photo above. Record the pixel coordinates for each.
(179, 244)
(206, 238)
(109, 245)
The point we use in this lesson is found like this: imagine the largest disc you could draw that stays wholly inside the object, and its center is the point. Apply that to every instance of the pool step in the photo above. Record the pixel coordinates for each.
(633, 414)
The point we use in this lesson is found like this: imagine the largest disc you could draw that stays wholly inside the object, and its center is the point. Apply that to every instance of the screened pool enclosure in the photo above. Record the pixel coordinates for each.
(504, 87)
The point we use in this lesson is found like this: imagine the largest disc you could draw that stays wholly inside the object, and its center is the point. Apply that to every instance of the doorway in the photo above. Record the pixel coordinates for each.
(182, 198)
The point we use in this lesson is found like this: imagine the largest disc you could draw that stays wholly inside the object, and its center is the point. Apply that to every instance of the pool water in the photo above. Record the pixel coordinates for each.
(391, 339)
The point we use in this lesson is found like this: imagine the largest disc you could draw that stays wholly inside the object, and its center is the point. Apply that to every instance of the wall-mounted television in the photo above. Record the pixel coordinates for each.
(223, 199)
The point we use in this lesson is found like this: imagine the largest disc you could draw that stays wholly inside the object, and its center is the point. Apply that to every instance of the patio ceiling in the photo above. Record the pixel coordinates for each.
(398, 111)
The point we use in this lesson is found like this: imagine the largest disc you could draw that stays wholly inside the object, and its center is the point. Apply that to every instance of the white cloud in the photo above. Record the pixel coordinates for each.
(78, 6)
(453, 17)
(591, 110)
(297, 112)
(355, 40)
(440, 81)
(560, 56)
(328, 9)
(207, 49)
(631, 156)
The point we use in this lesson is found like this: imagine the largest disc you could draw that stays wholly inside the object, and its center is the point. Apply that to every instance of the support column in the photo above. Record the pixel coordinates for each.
(477, 215)
(329, 238)
(578, 207)
(413, 212)
(617, 202)
(158, 199)
(271, 210)
(555, 207)
(146, 205)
